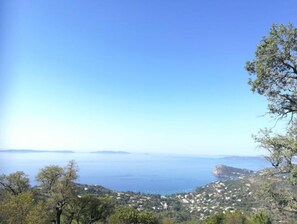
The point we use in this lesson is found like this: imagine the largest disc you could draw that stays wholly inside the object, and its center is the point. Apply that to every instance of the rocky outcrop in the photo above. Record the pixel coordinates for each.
(230, 172)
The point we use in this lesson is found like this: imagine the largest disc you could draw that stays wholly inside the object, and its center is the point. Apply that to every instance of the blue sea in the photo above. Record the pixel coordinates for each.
(147, 173)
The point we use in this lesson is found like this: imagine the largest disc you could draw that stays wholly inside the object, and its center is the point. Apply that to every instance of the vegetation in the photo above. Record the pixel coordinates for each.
(15, 183)
(238, 217)
(274, 72)
(128, 215)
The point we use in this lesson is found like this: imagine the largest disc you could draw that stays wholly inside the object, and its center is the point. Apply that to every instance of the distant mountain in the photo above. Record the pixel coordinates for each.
(35, 151)
(243, 157)
(111, 152)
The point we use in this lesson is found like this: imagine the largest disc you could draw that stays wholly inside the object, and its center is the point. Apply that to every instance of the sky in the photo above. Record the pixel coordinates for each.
(135, 75)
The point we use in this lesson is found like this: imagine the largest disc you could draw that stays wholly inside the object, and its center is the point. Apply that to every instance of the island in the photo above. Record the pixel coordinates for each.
(111, 152)
(35, 151)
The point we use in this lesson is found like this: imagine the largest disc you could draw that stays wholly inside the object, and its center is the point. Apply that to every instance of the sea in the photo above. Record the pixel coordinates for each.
(163, 174)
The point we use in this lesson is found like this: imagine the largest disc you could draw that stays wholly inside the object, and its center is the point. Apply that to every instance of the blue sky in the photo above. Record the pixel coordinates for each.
(141, 76)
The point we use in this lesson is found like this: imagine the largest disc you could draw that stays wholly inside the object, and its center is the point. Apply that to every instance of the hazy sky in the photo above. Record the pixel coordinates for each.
(141, 76)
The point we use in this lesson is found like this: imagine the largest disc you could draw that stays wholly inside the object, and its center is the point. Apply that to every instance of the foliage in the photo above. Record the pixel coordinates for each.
(128, 215)
(217, 218)
(14, 208)
(281, 148)
(168, 220)
(274, 75)
(38, 214)
(238, 217)
(15, 183)
(146, 217)
(89, 209)
(293, 175)
(260, 218)
(22, 209)
(276, 196)
(57, 185)
(274, 70)
(124, 215)
(178, 215)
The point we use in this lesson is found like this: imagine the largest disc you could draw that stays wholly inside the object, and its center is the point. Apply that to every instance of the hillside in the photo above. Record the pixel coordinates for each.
(228, 195)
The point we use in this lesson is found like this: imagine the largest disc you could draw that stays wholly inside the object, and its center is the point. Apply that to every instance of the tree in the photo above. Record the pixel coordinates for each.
(147, 218)
(19, 203)
(57, 185)
(15, 208)
(87, 209)
(124, 215)
(38, 214)
(281, 148)
(274, 75)
(236, 217)
(128, 215)
(274, 70)
(15, 183)
(168, 221)
(217, 218)
(260, 218)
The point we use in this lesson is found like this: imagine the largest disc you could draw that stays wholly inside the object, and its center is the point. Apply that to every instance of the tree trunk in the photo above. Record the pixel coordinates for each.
(58, 215)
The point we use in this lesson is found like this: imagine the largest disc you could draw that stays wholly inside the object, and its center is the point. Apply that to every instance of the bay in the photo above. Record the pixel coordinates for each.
(146, 173)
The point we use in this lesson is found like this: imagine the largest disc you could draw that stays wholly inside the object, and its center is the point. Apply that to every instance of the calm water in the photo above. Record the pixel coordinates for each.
(163, 174)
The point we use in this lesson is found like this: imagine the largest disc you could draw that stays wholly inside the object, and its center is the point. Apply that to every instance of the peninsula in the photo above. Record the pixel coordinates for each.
(230, 172)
